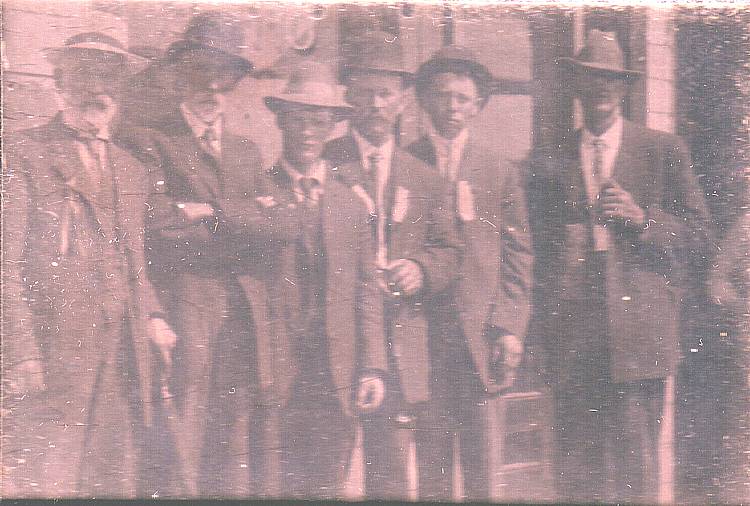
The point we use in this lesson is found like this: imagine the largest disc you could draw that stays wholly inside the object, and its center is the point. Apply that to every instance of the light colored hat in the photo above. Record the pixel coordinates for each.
(85, 44)
(311, 84)
(602, 53)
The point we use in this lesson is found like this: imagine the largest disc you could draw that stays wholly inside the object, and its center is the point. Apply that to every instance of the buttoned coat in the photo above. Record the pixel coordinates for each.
(66, 271)
(419, 228)
(645, 270)
(353, 301)
(196, 264)
(494, 279)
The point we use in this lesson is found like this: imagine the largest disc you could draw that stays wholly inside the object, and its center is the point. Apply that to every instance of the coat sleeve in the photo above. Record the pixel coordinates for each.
(19, 344)
(677, 226)
(512, 303)
(729, 281)
(245, 219)
(441, 254)
(370, 303)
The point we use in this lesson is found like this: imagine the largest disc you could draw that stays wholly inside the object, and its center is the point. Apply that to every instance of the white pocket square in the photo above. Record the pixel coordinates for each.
(400, 204)
(465, 201)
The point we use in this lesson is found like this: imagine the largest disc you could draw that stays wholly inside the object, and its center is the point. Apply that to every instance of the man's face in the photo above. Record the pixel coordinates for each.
(600, 94)
(304, 131)
(205, 90)
(452, 101)
(90, 93)
(377, 99)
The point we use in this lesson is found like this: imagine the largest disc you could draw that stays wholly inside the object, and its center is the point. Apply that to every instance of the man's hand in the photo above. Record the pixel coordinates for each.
(163, 337)
(370, 393)
(26, 377)
(618, 204)
(266, 202)
(407, 275)
(507, 353)
(195, 211)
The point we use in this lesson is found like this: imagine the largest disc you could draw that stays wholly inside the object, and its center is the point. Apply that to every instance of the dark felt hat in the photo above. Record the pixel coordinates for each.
(454, 58)
(211, 37)
(375, 52)
(602, 53)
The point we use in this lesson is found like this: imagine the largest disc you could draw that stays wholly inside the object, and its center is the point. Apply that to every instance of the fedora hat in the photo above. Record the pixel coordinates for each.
(602, 53)
(375, 52)
(454, 58)
(311, 84)
(211, 37)
(91, 47)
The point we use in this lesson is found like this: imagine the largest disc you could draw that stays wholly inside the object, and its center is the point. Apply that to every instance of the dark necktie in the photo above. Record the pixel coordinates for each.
(209, 139)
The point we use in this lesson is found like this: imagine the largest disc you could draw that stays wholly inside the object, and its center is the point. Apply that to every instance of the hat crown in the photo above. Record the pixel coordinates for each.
(215, 31)
(310, 78)
(376, 51)
(602, 49)
(311, 84)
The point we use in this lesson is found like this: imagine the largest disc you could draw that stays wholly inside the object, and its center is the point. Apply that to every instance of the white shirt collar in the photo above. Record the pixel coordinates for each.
(611, 138)
(366, 149)
(448, 152)
(318, 171)
(199, 126)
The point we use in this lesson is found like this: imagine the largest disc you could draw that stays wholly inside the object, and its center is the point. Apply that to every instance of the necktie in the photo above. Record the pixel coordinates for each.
(310, 187)
(375, 160)
(209, 141)
(599, 232)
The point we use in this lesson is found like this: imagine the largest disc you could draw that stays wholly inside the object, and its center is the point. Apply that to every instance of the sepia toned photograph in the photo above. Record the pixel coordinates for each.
(406, 251)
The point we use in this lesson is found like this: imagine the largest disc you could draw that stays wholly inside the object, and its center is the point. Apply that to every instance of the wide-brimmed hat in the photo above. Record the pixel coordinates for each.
(602, 53)
(91, 47)
(455, 59)
(214, 38)
(311, 84)
(375, 52)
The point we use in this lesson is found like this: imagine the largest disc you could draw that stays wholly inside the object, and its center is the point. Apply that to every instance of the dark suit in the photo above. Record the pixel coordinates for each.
(78, 300)
(325, 302)
(612, 319)
(424, 234)
(492, 289)
(209, 276)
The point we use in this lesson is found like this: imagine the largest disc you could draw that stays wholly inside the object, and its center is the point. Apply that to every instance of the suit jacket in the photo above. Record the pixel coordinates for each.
(203, 264)
(418, 228)
(494, 282)
(645, 271)
(353, 301)
(66, 267)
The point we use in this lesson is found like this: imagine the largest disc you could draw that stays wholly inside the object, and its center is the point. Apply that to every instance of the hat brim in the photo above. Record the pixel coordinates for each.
(407, 76)
(624, 74)
(277, 104)
(190, 54)
(57, 55)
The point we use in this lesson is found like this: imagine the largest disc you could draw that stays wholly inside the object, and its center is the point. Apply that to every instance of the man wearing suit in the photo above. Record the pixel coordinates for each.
(416, 249)
(321, 288)
(624, 211)
(484, 314)
(203, 258)
(80, 312)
